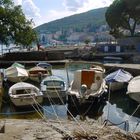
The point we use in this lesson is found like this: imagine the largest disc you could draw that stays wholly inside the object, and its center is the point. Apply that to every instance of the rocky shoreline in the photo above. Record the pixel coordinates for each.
(38, 129)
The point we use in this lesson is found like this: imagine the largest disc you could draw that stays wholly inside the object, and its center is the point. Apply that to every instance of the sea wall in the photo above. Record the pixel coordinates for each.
(32, 56)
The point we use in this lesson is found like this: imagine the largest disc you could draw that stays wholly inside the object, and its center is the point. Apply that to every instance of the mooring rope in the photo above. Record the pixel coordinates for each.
(16, 113)
(138, 122)
(126, 122)
(44, 118)
(50, 100)
(108, 100)
(70, 112)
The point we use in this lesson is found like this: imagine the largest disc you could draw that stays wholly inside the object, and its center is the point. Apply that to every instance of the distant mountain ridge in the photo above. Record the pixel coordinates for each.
(85, 22)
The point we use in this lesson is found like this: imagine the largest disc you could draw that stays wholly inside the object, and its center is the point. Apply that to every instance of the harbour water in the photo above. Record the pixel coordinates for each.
(118, 109)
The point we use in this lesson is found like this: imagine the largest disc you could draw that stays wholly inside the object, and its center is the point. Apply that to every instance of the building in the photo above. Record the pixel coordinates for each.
(109, 48)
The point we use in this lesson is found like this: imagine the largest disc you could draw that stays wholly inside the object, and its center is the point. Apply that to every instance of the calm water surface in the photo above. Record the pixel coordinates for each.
(117, 109)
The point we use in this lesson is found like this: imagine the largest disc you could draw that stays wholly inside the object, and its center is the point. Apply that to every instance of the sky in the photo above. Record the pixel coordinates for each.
(44, 11)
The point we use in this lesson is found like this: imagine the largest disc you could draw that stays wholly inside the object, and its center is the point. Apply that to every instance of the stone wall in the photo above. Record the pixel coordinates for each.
(32, 56)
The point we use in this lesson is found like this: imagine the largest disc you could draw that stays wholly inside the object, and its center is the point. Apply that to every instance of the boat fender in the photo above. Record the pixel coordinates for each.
(43, 88)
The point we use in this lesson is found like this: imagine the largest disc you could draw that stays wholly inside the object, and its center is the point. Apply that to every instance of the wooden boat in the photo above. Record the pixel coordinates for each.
(133, 89)
(88, 86)
(118, 80)
(37, 73)
(54, 87)
(24, 94)
(16, 74)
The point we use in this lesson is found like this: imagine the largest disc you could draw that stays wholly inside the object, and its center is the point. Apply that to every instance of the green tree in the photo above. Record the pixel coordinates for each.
(14, 27)
(121, 18)
(87, 41)
(133, 4)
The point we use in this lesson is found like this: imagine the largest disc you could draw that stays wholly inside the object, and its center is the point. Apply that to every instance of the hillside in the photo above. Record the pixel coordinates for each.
(88, 21)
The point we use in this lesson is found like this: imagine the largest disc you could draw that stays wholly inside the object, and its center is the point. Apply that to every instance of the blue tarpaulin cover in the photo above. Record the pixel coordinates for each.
(119, 76)
(44, 64)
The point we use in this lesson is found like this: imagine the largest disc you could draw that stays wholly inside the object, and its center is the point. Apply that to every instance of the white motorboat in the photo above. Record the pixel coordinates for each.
(88, 86)
(133, 89)
(37, 73)
(118, 80)
(54, 87)
(24, 94)
(16, 74)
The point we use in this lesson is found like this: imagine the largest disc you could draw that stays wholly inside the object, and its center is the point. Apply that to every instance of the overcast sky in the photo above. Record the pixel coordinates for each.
(43, 11)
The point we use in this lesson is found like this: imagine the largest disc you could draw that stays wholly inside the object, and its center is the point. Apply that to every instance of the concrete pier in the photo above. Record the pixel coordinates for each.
(134, 69)
(6, 64)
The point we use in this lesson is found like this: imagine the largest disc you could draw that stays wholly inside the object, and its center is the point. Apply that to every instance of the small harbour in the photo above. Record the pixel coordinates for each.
(119, 108)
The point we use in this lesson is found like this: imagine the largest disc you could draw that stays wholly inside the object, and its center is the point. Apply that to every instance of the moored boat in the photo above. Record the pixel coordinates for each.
(24, 94)
(16, 74)
(37, 73)
(133, 89)
(118, 80)
(54, 87)
(45, 65)
(88, 86)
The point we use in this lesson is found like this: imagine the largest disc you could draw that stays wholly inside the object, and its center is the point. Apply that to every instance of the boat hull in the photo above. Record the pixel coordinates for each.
(133, 89)
(36, 78)
(17, 79)
(23, 102)
(60, 95)
(16, 74)
(115, 86)
(135, 96)
(94, 100)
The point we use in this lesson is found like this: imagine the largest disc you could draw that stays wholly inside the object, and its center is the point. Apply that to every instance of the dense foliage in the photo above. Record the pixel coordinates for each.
(122, 17)
(133, 4)
(14, 27)
(88, 21)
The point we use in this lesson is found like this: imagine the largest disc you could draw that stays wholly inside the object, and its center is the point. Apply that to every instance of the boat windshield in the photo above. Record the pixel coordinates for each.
(53, 83)
(23, 91)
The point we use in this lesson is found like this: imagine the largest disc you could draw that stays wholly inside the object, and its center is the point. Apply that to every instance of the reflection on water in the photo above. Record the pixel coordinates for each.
(9, 111)
(121, 108)
(86, 110)
(121, 100)
(118, 109)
